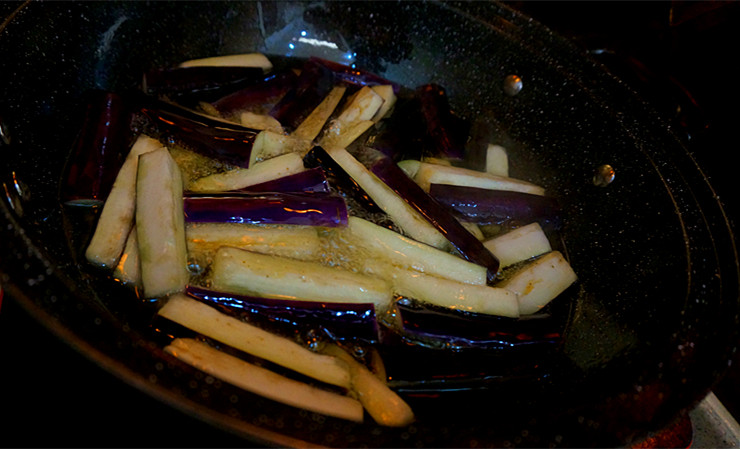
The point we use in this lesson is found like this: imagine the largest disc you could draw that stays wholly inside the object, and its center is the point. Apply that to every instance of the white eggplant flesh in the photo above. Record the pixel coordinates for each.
(540, 281)
(454, 295)
(429, 173)
(269, 144)
(258, 60)
(519, 244)
(342, 136)
(160, 225)
(384, 405)
(117, 217)
(245, 272)
(264, 382)
(355, 118)
(260, 121)
(497, 161)
(128, 270)
(405, 216)
(363, 106)
(253, 340)
(382, 243)
(409, 166)
(376, 365)
(474, 229)
(312, 125)
(389, 100)
(239, 178)
(293, 241)
(194, 165)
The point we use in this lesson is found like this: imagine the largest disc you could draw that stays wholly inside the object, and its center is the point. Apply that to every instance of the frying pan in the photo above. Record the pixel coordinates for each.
(648, 328)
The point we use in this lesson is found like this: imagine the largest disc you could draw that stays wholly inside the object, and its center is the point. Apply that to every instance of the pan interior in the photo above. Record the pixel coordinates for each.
(650, 323)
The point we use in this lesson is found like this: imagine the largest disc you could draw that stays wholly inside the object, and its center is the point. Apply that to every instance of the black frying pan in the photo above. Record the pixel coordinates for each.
(651, 323)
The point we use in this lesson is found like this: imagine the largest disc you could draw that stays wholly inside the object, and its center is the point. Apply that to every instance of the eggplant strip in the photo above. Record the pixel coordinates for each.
(306, 209)
(201, 82)
(264, 382)
(341, 320)
(294, 241)
(268, 90)
(117, 217)
(485, 206)
(160, 225)
(212, 137)
(428, 173)
(246, 337)
(540, 281)
(249, 273)
(99, 150)
(385, 406)
(385, 244)
(519, 244)
(309, 180)
(405, 216)
(240, 178)
(438, 216)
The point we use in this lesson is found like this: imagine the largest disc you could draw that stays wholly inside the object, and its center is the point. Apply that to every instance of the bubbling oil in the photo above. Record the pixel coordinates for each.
(335, 251)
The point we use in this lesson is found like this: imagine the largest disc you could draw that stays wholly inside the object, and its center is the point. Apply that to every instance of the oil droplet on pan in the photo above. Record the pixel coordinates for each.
(512, 85)
(603, 175)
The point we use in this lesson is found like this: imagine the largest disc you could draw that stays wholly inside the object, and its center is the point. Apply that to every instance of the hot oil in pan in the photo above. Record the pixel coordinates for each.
(487, 353)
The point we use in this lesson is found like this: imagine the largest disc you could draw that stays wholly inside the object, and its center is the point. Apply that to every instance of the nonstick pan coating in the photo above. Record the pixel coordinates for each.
(651, 322)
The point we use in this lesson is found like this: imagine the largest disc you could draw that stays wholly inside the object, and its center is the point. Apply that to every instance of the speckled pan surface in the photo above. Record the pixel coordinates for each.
(651, 322)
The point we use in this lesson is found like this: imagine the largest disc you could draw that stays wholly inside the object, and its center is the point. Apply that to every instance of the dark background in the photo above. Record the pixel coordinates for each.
(681, 56)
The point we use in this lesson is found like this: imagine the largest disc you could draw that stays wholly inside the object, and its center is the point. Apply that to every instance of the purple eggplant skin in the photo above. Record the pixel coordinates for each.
(464, 330)
(422, 125)
(432, 352)
(446, 132)
(351, 76)
(99, 149)
(318, 76)
(343, 321)
(437, 214)
(200, 83)
(482, 133)
(148, 102)
(309, 180)
(402, 134)
(299, 208)
(485, 206)
(313, 85)
(228, 142)
(264, 93)
(340, 180)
